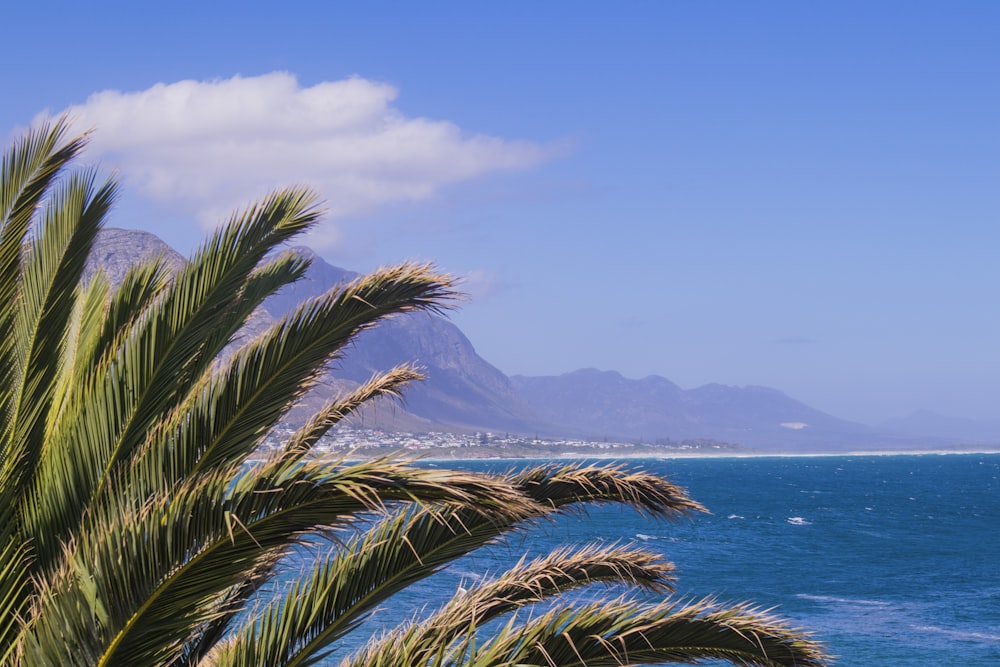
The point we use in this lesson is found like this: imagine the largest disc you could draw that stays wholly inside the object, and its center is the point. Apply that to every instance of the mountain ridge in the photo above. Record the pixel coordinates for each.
(754, 416)
(464, 392)
(925, 423)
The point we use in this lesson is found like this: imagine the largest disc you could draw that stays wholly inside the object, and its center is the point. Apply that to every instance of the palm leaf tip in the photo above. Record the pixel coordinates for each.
(386, 385)
(566, 485)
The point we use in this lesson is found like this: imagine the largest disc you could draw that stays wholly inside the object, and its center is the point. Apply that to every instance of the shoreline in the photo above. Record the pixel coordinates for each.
(568, 456)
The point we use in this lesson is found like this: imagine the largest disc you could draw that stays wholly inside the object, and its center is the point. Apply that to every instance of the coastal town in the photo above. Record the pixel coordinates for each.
(368, 442)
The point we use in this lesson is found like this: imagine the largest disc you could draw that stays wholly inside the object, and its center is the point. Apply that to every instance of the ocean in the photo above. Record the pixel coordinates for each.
(890, 560)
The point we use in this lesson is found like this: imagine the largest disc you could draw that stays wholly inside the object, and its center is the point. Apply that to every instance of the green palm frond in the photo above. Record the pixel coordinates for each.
(133, 296)
(104, 322)
(627, 632)
(14, 587)
(448, 632)
(83, 338)
(225, 421)
(27, 172)
(160, 569)
(36, 313)
(562, 485)
(199, 312)
(163, 354)
(335, 595)
(54, 263)
(410, 545)
(42, 312)
(28, 169)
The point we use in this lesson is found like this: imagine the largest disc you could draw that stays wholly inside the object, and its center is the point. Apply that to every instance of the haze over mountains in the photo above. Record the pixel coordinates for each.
(462, 391)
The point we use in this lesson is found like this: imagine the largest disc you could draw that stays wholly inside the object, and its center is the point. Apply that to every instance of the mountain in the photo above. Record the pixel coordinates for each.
(605, 403)
(461, 389)
(464, 392)
(927, 424)
(115, 250)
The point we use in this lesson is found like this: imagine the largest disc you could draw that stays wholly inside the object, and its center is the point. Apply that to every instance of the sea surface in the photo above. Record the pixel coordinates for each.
(888, 560)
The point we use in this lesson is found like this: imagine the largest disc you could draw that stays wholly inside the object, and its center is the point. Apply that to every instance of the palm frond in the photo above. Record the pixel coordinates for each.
(270, 276)
(229, 416)
(46, 301)
(627, 632)
(562, 485)
(13, 595)
(525, 584)
(194, 320)
(142, 283)
(27, 171)
(164, 351)
(333, 597)
(410, 545)
(82, 337)
(53, 265)
(162, 569)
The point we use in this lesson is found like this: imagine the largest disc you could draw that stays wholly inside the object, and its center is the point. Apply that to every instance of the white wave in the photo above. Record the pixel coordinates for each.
(798, 521)
(735, 516)
(644, 537)
(958, 634)
(839, 600)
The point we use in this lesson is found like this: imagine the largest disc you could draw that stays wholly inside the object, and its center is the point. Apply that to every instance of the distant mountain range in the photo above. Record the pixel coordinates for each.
(929, 424)
(605, 402)
(462, 391)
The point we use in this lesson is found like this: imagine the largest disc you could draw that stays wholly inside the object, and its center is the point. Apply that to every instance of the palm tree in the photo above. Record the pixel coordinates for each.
(135, 531)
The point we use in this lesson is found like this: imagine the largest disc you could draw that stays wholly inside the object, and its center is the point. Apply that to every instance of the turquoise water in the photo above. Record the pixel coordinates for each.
(891, 560)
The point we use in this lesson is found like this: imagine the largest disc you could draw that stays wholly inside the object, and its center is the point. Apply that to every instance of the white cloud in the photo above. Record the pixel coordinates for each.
(208, 147)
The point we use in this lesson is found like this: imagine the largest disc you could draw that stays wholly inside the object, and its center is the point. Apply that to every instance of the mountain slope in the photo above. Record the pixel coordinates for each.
(115, 250)
(461, 389)
(925, 423)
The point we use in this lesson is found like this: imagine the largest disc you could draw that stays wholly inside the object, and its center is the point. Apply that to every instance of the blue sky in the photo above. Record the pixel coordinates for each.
(797, 195)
